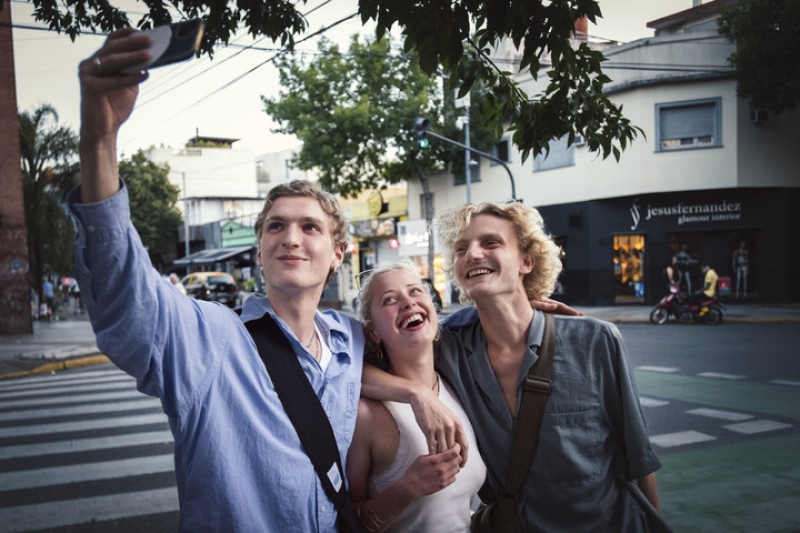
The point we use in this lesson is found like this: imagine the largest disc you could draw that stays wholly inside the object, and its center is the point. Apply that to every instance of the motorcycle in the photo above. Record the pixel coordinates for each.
(676, 304)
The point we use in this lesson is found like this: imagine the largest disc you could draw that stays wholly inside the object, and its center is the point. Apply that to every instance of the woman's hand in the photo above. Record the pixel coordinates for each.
(431, 473)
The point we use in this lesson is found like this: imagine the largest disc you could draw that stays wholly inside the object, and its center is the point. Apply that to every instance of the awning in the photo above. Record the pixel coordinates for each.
(214, 255)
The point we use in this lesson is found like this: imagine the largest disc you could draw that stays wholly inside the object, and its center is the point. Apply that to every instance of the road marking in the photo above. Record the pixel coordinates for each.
(757, 426)
(45, 379)
(718, 375)
(651, 402)
(61, 475)
(785, 382)
(141, 402)
(665, 369)
(83, 425)
(99, 509)
(77, 398)
(681, 438)
(94, 386)
(82, 445)
(724, 415)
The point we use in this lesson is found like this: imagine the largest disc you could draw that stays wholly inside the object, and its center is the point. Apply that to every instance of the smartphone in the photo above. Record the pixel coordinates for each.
(172, 43)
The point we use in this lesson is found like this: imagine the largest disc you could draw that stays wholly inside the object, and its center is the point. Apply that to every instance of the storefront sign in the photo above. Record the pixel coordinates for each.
(374, 227)
(413, 236)
(684, 213)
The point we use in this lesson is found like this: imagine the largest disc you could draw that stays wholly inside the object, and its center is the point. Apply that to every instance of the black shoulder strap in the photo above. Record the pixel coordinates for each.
(306, 413)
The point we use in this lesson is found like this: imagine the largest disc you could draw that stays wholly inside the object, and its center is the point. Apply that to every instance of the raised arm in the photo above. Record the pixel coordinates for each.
(437, 422)
(107, 100)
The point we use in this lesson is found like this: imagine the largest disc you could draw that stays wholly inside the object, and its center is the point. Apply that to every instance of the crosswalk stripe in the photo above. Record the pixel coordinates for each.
(664, 369)
(83, 425)
(40, 379)
(652, 402)
(83, 445)
(98, 509)
(59, 475)
(757, 426)
(723, 415)
(785, 382)
(28, 392)
(680, 438)
(77, 398)
(720, 375)
(142, 402)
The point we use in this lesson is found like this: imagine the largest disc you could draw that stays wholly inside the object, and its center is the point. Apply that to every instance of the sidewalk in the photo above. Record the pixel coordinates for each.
(70, 342)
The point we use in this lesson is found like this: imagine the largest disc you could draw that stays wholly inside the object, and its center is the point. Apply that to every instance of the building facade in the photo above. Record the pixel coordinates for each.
(707, 175)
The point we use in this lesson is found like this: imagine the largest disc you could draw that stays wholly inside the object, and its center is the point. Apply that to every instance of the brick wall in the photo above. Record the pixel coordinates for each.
(15, 305)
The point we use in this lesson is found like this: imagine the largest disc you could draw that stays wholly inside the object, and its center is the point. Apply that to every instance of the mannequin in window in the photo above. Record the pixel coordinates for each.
(683, 262)
(741, 261)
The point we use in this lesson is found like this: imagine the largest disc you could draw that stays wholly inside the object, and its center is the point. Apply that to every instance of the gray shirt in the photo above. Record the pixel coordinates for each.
(593, 433)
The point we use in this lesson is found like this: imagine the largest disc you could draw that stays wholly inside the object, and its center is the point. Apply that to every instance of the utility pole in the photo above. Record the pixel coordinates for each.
(464, 103)
(185, 216)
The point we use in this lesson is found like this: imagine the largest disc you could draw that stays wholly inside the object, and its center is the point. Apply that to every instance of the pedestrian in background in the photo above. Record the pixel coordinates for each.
(176, 282)
(48, 294)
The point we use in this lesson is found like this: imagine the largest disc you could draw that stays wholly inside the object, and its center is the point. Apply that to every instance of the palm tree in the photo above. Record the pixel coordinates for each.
(49, 171)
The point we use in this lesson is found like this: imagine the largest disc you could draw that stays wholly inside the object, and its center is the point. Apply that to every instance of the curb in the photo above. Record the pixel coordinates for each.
(48, 368)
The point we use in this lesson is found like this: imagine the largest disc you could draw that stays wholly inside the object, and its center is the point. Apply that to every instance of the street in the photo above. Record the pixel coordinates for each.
(83, 451)
(721, 406)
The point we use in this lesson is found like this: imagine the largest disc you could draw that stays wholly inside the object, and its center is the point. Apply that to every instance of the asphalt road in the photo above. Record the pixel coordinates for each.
(721, 404)
(83, 452)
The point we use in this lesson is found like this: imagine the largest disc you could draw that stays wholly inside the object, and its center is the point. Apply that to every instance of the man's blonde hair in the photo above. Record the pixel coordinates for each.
(533, 240)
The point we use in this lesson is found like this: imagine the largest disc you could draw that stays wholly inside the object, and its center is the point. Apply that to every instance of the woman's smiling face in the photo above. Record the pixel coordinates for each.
(403, 314)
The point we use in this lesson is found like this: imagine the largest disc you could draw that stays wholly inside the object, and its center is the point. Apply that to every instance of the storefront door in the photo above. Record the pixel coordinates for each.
(629, 268)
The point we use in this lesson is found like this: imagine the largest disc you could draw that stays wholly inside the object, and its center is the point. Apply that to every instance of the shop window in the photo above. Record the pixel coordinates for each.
(629, 268)
(686, 125)
(560, 155)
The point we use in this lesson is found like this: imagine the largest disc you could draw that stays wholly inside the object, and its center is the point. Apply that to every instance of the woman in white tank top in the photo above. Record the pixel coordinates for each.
(394, 482)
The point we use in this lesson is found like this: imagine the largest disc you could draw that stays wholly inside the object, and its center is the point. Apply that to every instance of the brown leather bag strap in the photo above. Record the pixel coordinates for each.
(536, 389)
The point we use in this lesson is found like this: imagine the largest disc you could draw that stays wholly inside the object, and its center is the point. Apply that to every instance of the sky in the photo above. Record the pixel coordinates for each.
(221, 97)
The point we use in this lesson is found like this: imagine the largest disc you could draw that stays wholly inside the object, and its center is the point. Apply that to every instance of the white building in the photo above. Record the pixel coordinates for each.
(709, 175)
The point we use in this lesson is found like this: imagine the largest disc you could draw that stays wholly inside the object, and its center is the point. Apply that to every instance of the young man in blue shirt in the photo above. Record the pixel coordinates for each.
(239, 463)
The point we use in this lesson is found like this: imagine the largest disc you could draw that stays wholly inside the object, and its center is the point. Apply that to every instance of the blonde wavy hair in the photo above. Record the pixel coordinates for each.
(533, 240)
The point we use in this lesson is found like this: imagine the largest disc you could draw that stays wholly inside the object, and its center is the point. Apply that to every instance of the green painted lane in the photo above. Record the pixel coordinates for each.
(751, 486)
(777, 400)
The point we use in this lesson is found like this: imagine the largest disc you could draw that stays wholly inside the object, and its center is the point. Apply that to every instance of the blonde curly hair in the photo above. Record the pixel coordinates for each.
(533, 240)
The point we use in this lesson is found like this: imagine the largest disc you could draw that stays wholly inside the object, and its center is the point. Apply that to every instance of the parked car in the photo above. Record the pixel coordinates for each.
(212, 286)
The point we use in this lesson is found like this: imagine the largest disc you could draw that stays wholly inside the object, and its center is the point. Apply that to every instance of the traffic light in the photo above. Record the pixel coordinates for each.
(420, 131)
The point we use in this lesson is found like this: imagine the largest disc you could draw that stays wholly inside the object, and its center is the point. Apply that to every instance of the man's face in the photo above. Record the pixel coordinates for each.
(296, 249)
(488, 262)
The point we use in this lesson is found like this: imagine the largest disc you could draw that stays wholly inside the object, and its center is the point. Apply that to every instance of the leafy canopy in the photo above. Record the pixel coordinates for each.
(457, 36)
(152, 202)
(353, 111)
(768, 52)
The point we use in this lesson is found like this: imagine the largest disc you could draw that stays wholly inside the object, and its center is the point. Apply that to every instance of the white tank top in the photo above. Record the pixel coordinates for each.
(446, 511)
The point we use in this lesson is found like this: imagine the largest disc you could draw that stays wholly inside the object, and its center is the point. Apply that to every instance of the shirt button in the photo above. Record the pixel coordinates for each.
(90, 229)
(325, 508)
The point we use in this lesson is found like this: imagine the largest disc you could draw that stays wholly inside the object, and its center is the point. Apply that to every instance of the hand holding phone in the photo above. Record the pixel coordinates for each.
(171, 43)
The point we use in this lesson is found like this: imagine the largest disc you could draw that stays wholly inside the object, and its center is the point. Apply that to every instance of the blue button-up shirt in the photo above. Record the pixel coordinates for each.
(239, 463)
